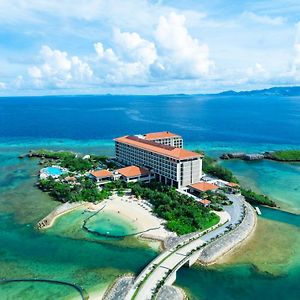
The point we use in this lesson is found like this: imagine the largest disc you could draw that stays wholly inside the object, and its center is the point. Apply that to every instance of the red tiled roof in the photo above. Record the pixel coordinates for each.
(160, 135)
(176, 153)
(101, 173)
(204, 186)
(205, 201)
(133, 171)
(232, 184)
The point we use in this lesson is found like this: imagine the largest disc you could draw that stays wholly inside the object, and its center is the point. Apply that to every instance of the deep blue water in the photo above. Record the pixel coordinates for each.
(226, 119)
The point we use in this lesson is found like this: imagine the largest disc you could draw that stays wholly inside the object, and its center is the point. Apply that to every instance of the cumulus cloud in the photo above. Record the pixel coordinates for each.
(130, 61)
(58, 69)
(181, 55)
(173, 53)
(135, 48)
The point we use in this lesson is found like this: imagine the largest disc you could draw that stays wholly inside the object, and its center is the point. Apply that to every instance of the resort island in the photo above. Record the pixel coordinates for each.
(194, 207)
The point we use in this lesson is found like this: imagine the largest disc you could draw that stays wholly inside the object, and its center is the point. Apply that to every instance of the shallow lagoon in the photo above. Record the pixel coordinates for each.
(97, 261)
(64, 252)
(280, 181)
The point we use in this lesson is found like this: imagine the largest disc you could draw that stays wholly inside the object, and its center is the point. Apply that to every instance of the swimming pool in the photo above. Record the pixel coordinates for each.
(53, 171)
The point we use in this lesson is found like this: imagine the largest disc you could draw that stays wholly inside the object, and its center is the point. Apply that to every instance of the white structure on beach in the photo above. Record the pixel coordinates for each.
(156, 152)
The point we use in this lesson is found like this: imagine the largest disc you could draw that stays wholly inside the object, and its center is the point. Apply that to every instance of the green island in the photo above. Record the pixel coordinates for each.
(284, 155)
(182, 214)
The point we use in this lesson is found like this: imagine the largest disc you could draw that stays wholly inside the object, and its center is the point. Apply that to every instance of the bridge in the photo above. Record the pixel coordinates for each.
(162, 270)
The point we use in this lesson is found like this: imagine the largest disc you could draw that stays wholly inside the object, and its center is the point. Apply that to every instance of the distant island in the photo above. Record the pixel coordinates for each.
(274, 91)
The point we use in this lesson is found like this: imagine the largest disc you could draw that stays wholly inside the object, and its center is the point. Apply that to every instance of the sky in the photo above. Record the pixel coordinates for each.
(147, 47)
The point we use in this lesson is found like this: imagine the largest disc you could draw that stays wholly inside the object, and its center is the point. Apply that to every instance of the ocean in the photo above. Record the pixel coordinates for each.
(267, 266)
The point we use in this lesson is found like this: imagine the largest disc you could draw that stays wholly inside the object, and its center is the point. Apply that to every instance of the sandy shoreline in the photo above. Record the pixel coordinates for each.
(136, 212)
(128, 208)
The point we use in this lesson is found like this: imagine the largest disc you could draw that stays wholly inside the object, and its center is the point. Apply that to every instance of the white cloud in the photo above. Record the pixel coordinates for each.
(129, 62)
(2, 85)
(263, 19)
(256, 72)
(181, 55)
(135, 48)
(58, 69)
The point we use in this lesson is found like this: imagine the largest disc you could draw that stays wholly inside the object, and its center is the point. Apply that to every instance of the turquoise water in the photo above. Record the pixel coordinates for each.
(108, 224)
(97, 261)
(267, 267)
(64, 253)
(238, 282)
(280, 181)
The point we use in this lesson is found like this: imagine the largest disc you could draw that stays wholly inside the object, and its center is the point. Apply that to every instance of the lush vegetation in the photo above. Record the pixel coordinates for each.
(286, 155)
(182, 213)
(73, 162)
(210, 166)
(255, 198)
(51, 154)
(83, 190)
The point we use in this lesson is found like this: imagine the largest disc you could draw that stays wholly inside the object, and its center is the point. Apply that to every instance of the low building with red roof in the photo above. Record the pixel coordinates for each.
(202, 187)
(232, 184)
(205, 202)
(101, 175)
(133, 173)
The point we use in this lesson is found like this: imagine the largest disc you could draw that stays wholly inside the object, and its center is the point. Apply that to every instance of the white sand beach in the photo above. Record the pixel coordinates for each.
(137, 212)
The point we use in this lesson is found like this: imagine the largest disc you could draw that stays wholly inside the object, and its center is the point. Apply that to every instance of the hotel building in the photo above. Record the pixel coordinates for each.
(165, 138)
(157, 152)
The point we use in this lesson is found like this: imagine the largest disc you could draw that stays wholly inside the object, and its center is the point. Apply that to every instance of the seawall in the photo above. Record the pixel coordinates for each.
(223, 245)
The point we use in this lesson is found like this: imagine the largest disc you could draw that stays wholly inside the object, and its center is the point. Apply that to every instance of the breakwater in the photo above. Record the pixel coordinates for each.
(82, 293)
(57, 212)
(282, 156)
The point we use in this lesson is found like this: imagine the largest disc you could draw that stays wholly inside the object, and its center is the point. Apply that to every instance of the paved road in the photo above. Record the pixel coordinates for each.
(171, 260)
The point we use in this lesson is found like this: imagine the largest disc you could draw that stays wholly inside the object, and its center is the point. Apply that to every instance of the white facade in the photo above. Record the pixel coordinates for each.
(180, 171)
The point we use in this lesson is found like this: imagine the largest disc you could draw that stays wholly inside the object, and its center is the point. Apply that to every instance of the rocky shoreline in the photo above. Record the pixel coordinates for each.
(120, 287)
(255, 156)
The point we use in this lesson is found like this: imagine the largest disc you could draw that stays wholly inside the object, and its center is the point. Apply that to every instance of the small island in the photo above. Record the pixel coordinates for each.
(184, 199)
(281, 156)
